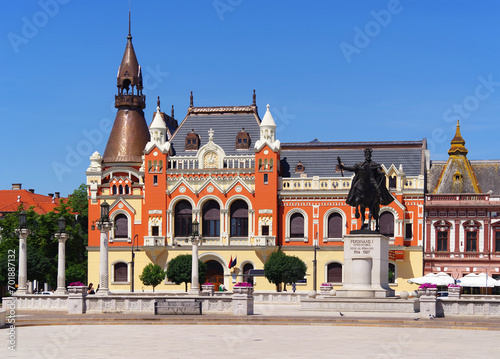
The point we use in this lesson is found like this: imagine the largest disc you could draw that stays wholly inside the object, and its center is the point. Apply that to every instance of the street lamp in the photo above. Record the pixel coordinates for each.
(315, 262)
(23, 219)
(61, 236)
(195, 240)
(132, 262)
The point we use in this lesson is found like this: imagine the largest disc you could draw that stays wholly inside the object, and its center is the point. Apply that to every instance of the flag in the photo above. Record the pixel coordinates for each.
(233, 263)
(230, 262)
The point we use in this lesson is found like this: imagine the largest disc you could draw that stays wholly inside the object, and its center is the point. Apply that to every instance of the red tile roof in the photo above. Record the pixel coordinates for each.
(10, 200)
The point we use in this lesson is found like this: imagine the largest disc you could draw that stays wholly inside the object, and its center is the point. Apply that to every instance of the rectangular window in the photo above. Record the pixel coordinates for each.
(471, 244)
(155, 180)
(266, 178)
(442, 241)
(265, 230)
(155, 230)
(408, 231)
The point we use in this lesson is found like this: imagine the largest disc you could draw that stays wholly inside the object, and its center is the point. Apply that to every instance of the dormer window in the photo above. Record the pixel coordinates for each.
(299, 168)
(192, 141)
(242, 140)
(457, 176)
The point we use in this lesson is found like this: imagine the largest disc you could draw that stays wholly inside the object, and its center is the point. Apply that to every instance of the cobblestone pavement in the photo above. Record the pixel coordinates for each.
(276, 331)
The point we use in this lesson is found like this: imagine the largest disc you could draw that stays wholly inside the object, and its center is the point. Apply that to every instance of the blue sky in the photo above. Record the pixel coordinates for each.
(332, 70)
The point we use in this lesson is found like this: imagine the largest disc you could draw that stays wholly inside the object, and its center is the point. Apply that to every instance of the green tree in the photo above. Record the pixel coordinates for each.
(281, 268)
(152, 274)
(42, 245)
(179, 270)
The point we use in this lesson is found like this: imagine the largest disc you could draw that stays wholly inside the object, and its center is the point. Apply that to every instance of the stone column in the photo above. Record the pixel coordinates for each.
(61, 264)
(104, 227)
(195, 285)
(23, 261)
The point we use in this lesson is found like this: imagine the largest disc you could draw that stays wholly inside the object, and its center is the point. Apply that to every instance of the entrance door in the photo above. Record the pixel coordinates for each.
(215, 273)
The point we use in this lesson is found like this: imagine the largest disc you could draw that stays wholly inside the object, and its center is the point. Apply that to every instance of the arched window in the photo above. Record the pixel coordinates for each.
(297, 225)
(114, 189)
(246, 269)
(127, 189)
(239, 219)
(183, 219)
(335, 225)
(120, 189)
(211, 219)
(387, 224)
(120, 272)
(121, 226)
(334, 273)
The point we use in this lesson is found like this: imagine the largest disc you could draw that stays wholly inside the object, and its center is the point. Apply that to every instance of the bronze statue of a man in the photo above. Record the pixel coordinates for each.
(368, 189)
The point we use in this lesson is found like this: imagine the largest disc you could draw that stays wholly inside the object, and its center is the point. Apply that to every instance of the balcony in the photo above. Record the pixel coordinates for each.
(453, 256)
(154, 241)
(265, 241)
(466, 199)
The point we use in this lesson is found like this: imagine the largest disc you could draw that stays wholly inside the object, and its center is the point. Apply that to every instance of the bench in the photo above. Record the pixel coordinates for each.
(178, 306)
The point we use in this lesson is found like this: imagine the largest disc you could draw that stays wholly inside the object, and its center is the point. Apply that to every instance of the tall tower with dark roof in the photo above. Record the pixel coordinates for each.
(130, 133)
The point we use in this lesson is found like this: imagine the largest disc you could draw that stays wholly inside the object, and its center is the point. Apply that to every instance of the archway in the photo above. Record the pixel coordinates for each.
(215, 273)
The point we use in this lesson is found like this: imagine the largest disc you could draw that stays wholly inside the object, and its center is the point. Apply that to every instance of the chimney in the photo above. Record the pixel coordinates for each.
(31, 190)
(58, 194)
(16, 186)
(51, 194)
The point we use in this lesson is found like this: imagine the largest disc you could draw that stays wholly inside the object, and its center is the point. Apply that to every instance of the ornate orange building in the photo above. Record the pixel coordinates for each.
(225, 168)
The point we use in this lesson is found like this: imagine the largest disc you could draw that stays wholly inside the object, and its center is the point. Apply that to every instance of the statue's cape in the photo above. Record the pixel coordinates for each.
(385, 197)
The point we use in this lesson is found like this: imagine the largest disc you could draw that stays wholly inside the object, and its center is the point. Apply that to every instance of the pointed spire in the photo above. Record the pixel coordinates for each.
(268, 119)
(129, 37)
(254, 103)
(172, 113)
(191, 100)
(458, 143)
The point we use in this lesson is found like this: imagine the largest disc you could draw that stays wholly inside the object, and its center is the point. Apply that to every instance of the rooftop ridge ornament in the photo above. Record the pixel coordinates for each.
(254, 103)
(210, 135)
(458, 143)
(129, 37)
(158, 104)
(191, 100)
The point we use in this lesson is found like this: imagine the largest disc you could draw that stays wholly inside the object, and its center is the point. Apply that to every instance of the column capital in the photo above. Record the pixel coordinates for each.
(62, 237)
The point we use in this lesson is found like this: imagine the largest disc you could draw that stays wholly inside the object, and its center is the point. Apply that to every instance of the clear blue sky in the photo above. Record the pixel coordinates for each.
(332, 70)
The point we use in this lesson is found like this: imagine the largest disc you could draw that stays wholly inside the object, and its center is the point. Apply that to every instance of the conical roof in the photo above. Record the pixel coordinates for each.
(129, 67)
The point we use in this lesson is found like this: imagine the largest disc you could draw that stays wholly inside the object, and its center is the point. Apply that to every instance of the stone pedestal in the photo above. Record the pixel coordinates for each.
(366, 264)
(207, 289)
(427, 305)
(76, 300)
(243, 301)
(454, 292)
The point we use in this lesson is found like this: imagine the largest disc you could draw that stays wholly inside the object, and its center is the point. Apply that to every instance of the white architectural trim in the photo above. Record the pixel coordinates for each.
(287, 228)
(325, 223)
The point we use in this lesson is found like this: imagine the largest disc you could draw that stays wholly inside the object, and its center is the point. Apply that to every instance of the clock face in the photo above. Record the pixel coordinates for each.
(211, 160)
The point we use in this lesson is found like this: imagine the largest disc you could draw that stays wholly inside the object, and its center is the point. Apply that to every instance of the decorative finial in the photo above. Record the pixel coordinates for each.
(158, 103)
(129, 37)
(191, 100)
(458, 143)
(172, 114)
(254, 99)
(210, 135)
(267, 107)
